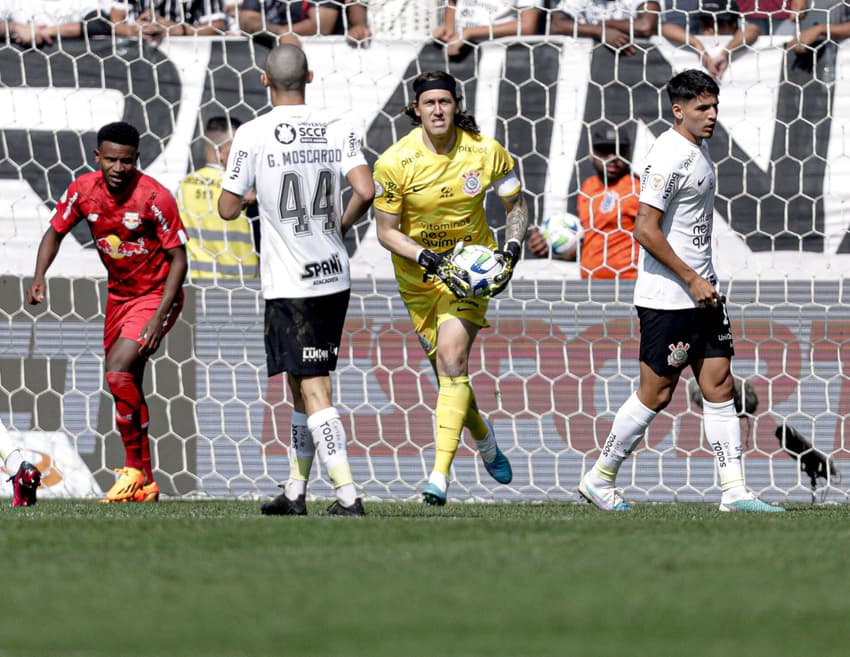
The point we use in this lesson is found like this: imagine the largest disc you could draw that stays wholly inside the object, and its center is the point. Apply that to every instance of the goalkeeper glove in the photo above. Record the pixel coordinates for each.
(441, 266)
(509, 256)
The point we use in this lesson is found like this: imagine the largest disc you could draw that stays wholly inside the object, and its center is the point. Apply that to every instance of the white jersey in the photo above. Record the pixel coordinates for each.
(594, 12)
(678, 180)
(473, 13)
(295, 158)
(47, 12)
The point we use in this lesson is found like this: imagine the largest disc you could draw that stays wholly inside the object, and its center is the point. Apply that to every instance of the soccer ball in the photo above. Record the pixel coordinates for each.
(563, 232)
(482, 266)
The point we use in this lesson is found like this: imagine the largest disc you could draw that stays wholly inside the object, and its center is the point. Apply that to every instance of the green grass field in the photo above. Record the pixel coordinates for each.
(217, 579)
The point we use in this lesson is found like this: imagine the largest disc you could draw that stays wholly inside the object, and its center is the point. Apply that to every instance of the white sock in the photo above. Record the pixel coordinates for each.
(487, 447)
(439, 480)
(723, 433)
(301, 454)
(9, 452)
(329, 437)
(630, 424)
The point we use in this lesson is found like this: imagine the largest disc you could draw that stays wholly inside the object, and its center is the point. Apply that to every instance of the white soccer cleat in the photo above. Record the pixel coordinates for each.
(607, 498)
(749, 503)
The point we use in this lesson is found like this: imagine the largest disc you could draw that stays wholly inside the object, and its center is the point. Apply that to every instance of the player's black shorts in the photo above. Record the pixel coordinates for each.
(672, 339)
(303, 335)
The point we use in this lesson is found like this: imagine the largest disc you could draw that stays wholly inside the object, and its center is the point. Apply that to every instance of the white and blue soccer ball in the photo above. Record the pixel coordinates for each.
(482, 265)
(563, 233)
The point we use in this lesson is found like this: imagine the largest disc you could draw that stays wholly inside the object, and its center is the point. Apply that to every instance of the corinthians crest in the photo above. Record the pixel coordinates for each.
(678, 354)
(472, 183)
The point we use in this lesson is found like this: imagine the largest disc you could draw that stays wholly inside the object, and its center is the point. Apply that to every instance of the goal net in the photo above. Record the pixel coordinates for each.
(561, 354)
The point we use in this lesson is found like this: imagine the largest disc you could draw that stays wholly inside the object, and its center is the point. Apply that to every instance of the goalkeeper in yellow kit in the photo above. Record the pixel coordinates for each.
(429, 195)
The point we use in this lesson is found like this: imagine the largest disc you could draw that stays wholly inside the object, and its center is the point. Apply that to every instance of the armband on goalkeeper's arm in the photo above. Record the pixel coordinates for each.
(441, 266)
(509, 255)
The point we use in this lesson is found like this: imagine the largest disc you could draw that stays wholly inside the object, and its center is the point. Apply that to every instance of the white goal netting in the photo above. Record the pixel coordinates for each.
(561, 355)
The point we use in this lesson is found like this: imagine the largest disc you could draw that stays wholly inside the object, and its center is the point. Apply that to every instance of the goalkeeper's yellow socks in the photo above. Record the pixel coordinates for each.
(452, 405)
(628, 429)
(301, 453)
(723, 433)
(329, 438)
(473, 421)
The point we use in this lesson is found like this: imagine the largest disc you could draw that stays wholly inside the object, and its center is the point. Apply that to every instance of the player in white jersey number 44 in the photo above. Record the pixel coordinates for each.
(296, 157)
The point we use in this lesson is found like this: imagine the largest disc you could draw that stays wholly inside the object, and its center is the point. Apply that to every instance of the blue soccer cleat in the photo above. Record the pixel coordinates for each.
(433, 496)
(499, 468)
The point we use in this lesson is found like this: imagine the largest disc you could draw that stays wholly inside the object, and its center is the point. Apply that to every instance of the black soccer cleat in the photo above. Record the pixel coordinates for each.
(355, 510)
(283, 506)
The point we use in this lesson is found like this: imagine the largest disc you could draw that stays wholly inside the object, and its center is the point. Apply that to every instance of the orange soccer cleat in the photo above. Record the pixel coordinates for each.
(147, 493)
(129, 482)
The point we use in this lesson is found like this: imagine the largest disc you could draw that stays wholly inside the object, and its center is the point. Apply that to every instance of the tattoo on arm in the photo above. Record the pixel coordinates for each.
(516, 224)
(408, 239)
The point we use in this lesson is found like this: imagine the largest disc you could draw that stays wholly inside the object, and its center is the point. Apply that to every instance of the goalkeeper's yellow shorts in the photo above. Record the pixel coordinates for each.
(430, 303)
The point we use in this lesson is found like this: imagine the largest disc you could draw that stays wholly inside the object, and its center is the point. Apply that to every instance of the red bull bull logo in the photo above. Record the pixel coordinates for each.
(114, 247)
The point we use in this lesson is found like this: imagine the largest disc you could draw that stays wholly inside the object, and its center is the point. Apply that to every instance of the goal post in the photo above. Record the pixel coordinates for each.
(561, 353)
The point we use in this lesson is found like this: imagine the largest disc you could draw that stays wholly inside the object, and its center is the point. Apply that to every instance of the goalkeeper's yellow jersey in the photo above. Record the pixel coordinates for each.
(217, 248)
(440, 198)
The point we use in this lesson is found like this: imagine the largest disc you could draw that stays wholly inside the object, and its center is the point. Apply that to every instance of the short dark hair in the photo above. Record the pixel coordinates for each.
(119, 132)
(221, 124)
(690, 84)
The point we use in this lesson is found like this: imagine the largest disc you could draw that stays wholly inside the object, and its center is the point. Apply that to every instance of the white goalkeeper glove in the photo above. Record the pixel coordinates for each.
(509, 257)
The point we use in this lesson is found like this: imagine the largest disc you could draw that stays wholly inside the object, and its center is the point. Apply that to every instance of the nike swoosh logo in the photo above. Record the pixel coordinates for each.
(700, 182)
(418, 188)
